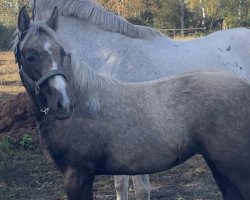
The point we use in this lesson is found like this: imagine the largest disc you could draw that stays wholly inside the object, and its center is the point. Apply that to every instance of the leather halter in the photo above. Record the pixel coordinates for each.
(34, 86)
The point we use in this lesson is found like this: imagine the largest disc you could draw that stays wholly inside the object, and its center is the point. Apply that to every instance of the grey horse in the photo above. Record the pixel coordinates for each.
(132, 53)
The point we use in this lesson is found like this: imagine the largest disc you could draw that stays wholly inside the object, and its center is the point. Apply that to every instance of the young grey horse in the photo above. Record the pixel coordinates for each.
(132, 128)
(127, 52)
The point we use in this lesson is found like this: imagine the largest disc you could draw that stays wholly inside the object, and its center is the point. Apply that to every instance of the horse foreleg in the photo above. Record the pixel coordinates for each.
(142, 187)
(244, 186)
(121, 187)
(227, 188)
(78, 186)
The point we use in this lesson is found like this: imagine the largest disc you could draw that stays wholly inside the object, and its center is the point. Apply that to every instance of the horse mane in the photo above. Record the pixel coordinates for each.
(83, 76)
(35, 27)
(89, 10)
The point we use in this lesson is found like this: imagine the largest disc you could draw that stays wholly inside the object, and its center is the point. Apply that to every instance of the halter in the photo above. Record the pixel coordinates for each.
(34, 86)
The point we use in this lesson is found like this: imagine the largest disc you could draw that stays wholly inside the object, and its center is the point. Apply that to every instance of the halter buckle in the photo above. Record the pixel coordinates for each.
(45, 111)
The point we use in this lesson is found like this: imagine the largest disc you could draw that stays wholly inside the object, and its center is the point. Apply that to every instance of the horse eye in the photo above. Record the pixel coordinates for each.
(31, 58)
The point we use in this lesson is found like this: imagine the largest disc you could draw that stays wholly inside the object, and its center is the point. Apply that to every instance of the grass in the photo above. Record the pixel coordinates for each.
(5, 144)
(26, 142)
(26, 173)
(9, 78)
(185, 38)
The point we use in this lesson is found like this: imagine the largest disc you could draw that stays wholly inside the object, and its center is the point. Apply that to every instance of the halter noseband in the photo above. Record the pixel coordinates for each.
(34, 86)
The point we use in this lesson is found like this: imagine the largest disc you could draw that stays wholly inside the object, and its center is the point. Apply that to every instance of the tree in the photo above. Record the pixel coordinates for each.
(182, 5)
(8, 19)
(125, 8)
(205, 12)
(236, 13)
(9, 11)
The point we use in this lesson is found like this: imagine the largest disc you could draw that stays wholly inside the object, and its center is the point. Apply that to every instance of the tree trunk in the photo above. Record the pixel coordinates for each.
(182, 17)
(203, 22)
(240, 13)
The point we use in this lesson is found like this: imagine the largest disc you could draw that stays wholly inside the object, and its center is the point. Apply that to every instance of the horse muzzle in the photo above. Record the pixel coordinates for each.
(62, 103)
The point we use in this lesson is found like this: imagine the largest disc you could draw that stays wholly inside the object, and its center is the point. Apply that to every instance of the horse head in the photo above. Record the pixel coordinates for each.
(40, 59)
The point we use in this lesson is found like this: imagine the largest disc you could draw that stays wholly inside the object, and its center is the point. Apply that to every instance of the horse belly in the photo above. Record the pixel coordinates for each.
(147, 161)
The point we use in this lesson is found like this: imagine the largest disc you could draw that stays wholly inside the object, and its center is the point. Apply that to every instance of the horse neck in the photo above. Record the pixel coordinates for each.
(115, 54)
(42, 13)
(86, 35)
(96, 46)
(82, 29)
(86, 81)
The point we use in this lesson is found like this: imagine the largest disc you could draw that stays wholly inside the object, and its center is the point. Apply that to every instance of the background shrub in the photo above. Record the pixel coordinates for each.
(5, 37)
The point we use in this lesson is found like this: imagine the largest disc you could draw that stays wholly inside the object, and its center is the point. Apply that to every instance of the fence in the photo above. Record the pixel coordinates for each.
(187, 32)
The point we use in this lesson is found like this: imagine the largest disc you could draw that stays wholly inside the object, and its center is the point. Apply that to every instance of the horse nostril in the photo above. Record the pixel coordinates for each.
(63, 107)
(60, 106)
(72, 106)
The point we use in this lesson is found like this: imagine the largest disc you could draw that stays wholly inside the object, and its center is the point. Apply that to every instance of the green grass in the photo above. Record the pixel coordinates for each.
(26, 142)
(5, 144)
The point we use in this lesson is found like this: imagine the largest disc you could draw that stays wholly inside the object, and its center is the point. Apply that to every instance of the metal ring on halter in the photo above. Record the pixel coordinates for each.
(45, 111)
(37, 89)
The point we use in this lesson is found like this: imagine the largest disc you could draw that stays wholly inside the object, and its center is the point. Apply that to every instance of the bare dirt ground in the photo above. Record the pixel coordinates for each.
(26, 174)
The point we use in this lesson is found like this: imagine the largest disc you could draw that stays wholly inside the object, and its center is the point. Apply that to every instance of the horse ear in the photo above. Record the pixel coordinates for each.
(53, 20)
(23, 20)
